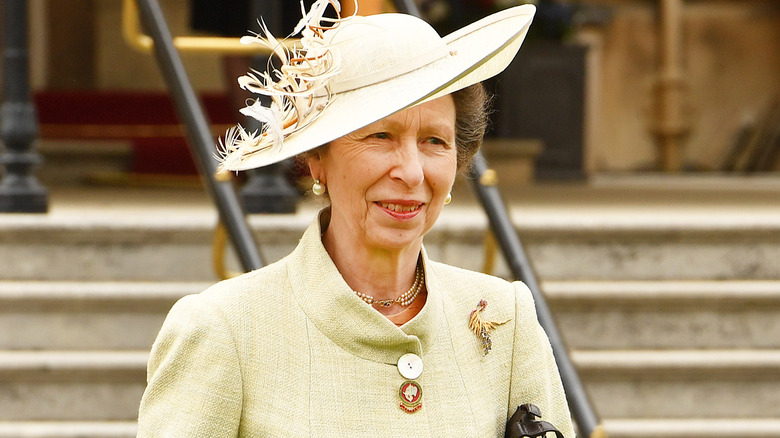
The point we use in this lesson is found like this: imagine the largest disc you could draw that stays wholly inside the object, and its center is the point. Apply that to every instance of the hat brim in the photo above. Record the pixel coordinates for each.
(479, 51)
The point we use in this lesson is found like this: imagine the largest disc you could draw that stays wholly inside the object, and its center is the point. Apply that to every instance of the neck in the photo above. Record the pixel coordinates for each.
(380, 273)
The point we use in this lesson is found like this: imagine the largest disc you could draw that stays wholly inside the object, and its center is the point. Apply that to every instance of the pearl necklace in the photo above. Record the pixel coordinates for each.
(404, 299)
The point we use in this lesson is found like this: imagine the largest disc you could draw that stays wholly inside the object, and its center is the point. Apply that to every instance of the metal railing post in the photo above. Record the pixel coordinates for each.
(191, 112)
(20, 191)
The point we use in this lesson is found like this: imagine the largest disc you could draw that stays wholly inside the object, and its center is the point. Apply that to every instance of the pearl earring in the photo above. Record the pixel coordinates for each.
(317, 188)
(448, 199)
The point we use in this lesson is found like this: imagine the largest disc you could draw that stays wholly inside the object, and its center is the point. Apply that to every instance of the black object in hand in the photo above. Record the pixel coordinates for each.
(523, 424)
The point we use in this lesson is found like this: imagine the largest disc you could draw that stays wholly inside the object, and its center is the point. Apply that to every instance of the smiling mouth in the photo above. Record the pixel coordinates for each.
(399, 208)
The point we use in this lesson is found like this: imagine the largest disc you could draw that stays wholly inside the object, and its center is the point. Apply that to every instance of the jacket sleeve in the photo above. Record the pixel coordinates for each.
(194, 384)
(535, 378)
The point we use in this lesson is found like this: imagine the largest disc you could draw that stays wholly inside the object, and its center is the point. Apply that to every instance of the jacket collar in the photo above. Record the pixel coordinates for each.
(337, 312)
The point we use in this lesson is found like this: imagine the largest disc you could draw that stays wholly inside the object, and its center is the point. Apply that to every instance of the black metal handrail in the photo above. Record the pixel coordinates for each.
(231, 212)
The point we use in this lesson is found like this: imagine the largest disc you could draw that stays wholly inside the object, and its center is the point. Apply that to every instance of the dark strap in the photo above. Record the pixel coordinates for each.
(523, 424)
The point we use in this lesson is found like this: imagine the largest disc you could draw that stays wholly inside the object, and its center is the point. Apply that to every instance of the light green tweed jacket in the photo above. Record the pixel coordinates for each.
(290, 351)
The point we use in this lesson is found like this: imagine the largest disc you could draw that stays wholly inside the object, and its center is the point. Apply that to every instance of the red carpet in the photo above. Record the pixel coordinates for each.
(147, 119)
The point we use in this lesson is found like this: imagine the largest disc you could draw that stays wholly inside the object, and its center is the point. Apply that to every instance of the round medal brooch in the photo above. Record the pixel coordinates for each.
(411, 396)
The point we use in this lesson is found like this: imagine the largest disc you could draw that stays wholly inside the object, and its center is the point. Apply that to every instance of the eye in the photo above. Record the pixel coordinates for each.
(438, 142)
(380, 135)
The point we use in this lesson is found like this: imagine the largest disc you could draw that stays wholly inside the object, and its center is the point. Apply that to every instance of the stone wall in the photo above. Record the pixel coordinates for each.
(731, 69)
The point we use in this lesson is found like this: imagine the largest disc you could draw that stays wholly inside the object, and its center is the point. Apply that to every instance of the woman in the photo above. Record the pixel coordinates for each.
(357, 332)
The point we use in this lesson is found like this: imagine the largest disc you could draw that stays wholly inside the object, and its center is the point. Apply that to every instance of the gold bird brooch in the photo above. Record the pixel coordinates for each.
(482, 328)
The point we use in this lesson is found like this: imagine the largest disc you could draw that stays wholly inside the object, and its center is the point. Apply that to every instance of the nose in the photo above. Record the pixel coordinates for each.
(408, 166)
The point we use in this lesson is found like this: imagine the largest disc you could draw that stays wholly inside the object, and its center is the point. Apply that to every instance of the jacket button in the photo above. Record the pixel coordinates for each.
(410, 366)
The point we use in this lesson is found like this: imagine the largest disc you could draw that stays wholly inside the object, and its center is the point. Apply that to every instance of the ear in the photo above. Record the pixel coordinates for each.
(316, 167)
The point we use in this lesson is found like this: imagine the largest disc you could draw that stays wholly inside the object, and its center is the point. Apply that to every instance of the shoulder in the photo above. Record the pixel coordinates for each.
(467, 288)
(465, 281)
(231, 302)
(454, 275)
(265, 282)
(219, 322)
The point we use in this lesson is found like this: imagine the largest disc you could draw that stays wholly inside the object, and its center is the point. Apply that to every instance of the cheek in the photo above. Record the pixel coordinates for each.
(355, 179)
(446, 171)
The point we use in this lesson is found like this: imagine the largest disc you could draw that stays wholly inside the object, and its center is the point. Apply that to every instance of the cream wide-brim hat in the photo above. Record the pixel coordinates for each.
(390, 62)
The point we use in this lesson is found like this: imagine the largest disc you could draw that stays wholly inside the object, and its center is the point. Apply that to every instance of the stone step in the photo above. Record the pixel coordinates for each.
(173, 242)
(667, 314)
(85, 315)
(72, 162)
(172, 245)
(107, 385)
(693, 428)
(71, 385)
(679, 384)
(591, 314)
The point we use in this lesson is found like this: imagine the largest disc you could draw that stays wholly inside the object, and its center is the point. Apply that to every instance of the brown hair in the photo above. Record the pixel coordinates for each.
(471, 121)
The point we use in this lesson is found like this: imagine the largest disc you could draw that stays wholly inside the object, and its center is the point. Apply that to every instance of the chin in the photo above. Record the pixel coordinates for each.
(396, 240)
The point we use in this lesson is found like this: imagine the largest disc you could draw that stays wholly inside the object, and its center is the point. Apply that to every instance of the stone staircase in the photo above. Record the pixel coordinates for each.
(669, 297)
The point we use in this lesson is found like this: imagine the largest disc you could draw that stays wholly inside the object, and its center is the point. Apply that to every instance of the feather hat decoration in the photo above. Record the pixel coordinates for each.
(349, 72)
(303, 74)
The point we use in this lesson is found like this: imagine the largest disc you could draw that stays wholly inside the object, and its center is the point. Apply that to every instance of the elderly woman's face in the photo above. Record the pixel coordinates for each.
(387, 182)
